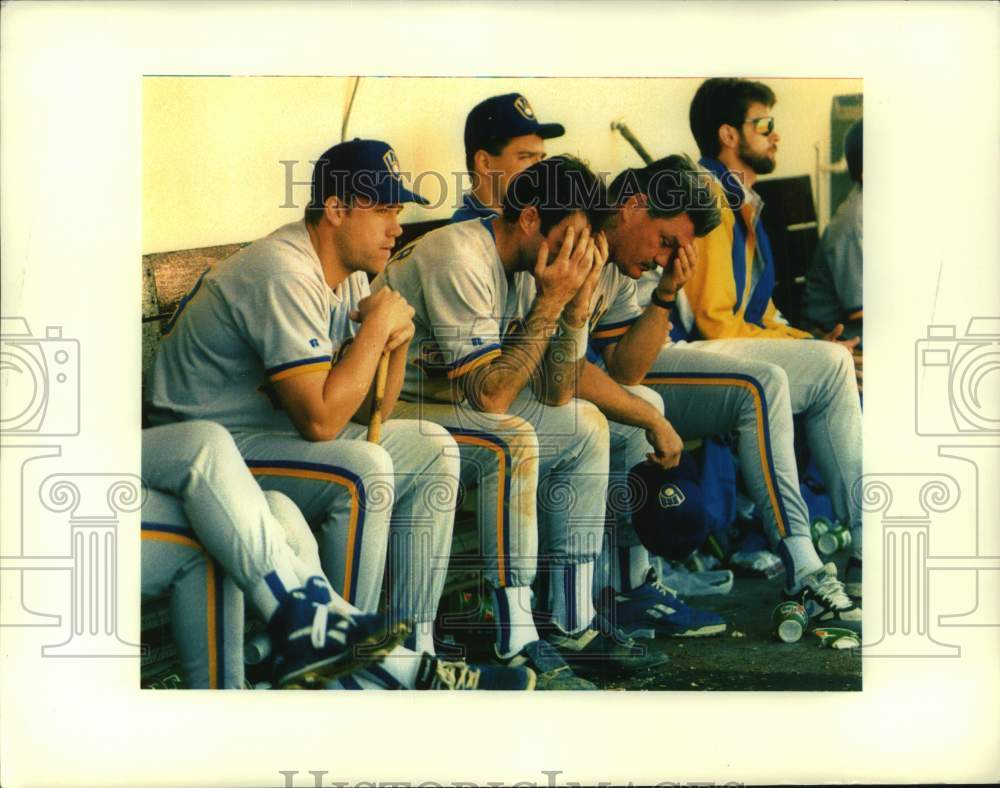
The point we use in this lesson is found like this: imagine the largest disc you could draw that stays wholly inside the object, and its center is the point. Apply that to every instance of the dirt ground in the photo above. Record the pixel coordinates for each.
(747, 657)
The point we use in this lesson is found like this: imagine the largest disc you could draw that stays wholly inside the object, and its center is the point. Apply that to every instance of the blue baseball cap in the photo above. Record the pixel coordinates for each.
(360, 168)
(668, 508)
(503, 117)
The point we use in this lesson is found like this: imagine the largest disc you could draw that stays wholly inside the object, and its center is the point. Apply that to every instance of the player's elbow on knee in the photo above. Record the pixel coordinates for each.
(316, 431)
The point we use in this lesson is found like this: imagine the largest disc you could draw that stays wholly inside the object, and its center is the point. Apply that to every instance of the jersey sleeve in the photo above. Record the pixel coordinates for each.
(286, 320)
(462, 311)
(847, 270)
(614, 321)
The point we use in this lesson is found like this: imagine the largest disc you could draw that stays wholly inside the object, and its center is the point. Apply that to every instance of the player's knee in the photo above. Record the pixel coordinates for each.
(284, 510)
(772, 379)
(520, 438)
(373, 462)
(213, 438)
(648, 395)
(839, 359)
(592, 426)
(437, 441)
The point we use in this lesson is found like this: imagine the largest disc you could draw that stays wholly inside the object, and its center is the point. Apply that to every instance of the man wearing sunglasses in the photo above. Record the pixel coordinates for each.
(727, 298)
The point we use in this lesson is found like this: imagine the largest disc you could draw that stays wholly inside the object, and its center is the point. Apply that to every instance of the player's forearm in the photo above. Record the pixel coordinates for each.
(495, 386)
(633, 356)
(393, 384)
(613, 401)
(348, 385)
(563, 362)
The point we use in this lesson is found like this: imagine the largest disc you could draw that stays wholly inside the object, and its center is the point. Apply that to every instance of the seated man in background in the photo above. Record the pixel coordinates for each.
(662, 211)
(835, 280)
(502, 137)
(728, 298)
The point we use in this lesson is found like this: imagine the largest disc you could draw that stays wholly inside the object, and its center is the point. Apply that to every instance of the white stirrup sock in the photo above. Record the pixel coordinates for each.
(570, 593)
(514, 622)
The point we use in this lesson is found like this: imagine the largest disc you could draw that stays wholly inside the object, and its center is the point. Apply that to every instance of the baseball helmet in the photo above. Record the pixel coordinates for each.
(667, 508)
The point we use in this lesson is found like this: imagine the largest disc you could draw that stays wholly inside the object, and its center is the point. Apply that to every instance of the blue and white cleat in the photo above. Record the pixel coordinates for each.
(653, 610)
(314, 644)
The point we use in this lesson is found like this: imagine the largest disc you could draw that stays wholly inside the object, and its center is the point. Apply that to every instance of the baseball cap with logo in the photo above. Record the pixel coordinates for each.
(667, 508)
(503, 117)
(360, 168)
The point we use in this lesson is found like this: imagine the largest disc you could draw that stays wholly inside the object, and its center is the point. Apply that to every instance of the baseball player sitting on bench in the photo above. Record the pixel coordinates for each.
(662, 211)
(502, 138)
(209, 533)
(728, 297)
(279, 343)
(498, 368)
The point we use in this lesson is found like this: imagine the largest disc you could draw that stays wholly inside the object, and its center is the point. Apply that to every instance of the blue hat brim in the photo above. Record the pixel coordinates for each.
(549, 130)
(395, 193)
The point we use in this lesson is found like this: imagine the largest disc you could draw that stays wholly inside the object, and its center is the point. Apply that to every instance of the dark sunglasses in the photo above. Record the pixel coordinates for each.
(762, 126)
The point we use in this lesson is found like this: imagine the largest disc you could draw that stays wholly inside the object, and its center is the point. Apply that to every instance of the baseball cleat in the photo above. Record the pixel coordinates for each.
(315, 644)
(653, 610)
(825, 600)
(552, 672)
(439, 674)
(600, 647)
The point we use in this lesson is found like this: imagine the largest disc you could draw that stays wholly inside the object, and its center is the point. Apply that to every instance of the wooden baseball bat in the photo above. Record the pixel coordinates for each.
(375, 422)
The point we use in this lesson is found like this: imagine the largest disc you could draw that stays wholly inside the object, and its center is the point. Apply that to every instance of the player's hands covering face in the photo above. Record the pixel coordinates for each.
(677, 272)
(578, 309)
(560, 281)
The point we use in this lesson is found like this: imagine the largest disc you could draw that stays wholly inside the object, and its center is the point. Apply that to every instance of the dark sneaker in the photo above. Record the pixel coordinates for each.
(653, 610)
(825, 600)
(313, 644)
(601, 647)
(852, 579)
(552, 672)
(374, 635)
(439, 674)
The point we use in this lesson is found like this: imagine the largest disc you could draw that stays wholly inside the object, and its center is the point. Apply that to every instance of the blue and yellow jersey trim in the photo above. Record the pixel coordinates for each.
(462, 366)
(608, 334)
(300, 367)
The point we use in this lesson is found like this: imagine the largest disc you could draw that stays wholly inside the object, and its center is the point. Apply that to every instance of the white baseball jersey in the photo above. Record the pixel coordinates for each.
(260, 316)
(464, 304)
(613, 308)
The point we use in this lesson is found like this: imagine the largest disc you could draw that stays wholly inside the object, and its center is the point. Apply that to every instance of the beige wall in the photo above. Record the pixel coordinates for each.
(212, 147)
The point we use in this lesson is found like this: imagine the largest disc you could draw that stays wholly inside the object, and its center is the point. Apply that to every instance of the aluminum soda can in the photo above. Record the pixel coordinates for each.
(789, 619)
(837, 538)
(819, 526)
